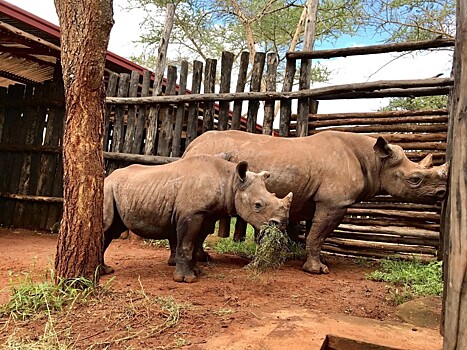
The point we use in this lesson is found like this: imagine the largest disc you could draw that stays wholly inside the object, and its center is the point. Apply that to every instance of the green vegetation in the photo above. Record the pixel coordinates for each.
(272, 250)
(416, 103)
(32, 299)
(410, 279)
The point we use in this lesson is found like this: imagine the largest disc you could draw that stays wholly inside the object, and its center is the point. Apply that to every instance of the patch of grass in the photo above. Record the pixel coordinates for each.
(156, 243)
(272, 250)
(410, 279)
(31, 299)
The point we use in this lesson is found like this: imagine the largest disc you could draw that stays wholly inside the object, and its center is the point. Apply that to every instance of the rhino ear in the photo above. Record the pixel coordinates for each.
(382, 148)
(265, 174)
(427, 162)
(224, 155)
(242, 168)
(287, 200)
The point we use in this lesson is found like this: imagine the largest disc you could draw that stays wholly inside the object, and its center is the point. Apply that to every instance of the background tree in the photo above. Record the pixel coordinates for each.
(85, 28)
(416, 103)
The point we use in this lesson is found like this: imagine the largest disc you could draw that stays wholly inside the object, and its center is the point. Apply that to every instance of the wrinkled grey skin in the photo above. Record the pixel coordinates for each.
(328, 172)
(179, 201)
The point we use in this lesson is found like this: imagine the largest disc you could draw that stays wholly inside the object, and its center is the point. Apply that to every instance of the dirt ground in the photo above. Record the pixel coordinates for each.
(228, 308)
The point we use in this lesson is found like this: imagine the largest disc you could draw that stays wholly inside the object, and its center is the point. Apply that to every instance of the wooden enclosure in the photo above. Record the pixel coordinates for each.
(142, 128)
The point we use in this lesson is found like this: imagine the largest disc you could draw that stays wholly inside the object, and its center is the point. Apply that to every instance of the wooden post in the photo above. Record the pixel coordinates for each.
(209, 85)
(226, 74)
(180, 116)
(286, 105)
(255, 85)
(193, 109)
(140, 123)
(111, 91)
(270, 86)
(241, 82)
(455, 278)
(151, 131)
(167, 114)
(131, 118)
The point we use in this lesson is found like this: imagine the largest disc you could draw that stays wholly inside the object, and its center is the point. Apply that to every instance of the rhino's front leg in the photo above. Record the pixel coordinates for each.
(187, 233)
(324, 222)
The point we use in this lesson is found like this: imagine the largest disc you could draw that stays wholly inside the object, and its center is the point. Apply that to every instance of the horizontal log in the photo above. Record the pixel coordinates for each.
(390, 128)
(418, 146)
(23, 197)
(396, 92)
(441, 136)
(394, 213)
(399, 206)
(372, 49)
(377, 120)
(386, 238)
(379, 114)
(377, 221)
(272, 95)
(138, 158)
(391, 230)
(375, 254)
(39, 102)
(28, 148)
(354, 244)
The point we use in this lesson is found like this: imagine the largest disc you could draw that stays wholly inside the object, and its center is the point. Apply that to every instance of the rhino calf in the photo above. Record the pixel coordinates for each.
(181, 200)
(328, 172)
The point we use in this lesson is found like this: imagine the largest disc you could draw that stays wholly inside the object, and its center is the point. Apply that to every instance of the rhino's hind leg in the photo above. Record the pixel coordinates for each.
(173, 250)
(325, 221)
(188, 230)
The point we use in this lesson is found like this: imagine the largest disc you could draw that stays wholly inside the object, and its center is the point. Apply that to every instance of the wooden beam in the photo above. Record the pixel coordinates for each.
(366, 50)
(17, 78)
(272, 95)
(28, 36)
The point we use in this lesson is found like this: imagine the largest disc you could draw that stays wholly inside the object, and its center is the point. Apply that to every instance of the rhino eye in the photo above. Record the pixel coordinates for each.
(415, 180)
(258, 205)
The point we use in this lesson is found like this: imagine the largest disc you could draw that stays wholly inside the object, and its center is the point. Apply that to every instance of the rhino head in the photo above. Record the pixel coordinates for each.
(255, 204)
(404, 179)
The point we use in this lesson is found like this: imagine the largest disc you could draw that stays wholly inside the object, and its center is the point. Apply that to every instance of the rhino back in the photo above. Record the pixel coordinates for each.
(334, 167)
(152, 199)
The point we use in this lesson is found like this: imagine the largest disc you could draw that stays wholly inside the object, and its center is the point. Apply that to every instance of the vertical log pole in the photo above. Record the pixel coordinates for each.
(209, 85)
(140, 123)
(226, 75)
(286, 105)
(111, 91)
(454, 223)
(180, 116)
(85, 29)
(270, 86)
(305, 68)
(131, 121)
(193, 109)
(167, 113)
(241, 82)
(255, 85)
(151, 132)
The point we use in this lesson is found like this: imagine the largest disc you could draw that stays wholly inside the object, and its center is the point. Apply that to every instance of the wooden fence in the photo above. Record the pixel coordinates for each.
(141, 128)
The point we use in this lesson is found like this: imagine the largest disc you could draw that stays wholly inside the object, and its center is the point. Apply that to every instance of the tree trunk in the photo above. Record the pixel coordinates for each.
(85, 29)
(455, 210)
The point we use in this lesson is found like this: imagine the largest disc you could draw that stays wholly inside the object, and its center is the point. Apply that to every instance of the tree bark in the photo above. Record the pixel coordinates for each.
(455, 210)
(85, 29)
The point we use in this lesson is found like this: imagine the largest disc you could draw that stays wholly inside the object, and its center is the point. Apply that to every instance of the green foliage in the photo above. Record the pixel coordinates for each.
(416, 103)
(272, 250)
(31, 299)
(410, 279)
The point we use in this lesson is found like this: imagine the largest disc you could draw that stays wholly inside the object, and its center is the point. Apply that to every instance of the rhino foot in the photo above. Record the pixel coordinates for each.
(315, 267)
(107, 270)
(184, 278)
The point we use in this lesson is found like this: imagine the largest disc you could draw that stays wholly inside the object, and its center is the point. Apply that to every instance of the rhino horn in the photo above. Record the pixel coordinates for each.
(427, 162)
(444, 169)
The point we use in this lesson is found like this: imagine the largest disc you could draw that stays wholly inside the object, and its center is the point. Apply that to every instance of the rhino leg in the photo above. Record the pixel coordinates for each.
(200, 253)
(187, 233)
(113, 225)
(173, 250)
(325, 221)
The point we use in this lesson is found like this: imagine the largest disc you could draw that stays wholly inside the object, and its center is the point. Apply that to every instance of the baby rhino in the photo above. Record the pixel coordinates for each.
(180, 201)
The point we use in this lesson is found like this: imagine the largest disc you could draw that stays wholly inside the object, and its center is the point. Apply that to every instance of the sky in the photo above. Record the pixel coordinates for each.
(354, 69)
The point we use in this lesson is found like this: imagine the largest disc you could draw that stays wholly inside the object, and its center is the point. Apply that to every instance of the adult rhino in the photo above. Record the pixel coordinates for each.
(328, 172)
(181, 200)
